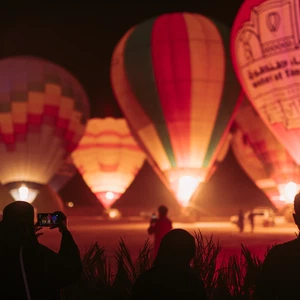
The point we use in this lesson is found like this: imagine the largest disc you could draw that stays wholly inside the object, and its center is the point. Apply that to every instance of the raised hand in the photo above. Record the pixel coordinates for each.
(36, 229)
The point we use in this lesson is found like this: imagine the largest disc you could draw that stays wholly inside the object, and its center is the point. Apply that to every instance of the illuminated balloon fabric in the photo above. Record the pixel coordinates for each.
(46, 200)
(266, 56)
(275, 159)
(254, 168)
(108, 158)
(63, 175)
(173, 79)
(43, 111)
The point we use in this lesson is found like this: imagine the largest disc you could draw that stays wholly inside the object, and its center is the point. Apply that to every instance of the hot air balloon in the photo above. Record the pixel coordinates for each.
(173, 79)
(263, 158)
(265, 50)
(47, 200)
(108, 158)
(43, 112)
(254, 168)
(65, 173)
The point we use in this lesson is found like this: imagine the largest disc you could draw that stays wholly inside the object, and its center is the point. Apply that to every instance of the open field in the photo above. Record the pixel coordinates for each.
(134, 233)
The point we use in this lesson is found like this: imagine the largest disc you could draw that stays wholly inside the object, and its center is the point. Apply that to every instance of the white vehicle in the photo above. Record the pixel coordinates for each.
(263, 216)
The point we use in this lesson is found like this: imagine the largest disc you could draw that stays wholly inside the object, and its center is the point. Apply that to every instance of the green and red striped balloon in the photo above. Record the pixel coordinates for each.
(173, 79)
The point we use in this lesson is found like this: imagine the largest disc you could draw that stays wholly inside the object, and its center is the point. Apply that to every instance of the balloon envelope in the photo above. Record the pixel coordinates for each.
(265, 50)
(65, 173)
(43, 112)
(173, 79)
(260, 153)
(254, 168)
(108, 158)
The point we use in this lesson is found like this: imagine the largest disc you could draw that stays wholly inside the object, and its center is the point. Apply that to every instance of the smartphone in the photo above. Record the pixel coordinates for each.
(153, 218)
(48, 219)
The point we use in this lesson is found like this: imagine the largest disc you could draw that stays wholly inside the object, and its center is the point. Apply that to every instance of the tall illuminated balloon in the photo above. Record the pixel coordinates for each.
(43, 112)
(265, 49)
(64, 174)
(173, 79)
(274, 161)
(108, 158)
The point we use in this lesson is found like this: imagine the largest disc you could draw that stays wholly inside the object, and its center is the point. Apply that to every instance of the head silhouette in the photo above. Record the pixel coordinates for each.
(296, 215)
(177, 249)
(18, 213)
(162, 211)
(17, 225)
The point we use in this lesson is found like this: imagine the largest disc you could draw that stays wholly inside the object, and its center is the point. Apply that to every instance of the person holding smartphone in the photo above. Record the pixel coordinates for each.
(28, 269)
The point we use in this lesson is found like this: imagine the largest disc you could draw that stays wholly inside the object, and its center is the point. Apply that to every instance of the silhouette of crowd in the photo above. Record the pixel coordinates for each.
(29, 270)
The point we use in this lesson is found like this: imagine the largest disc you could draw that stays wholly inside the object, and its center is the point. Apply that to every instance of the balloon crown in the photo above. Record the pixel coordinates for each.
(266, 33)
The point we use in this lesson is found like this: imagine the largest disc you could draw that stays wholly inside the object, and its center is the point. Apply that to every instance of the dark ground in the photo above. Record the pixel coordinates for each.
(87, 230)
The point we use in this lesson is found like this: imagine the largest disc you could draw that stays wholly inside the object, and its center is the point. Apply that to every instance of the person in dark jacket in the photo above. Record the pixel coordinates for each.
(171, 276)
(29, 270)
(279, 276)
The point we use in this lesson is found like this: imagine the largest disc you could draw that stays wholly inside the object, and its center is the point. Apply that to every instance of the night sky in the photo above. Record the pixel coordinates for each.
(81, 37)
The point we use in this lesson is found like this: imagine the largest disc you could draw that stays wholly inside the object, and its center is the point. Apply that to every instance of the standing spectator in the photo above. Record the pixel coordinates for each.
(160, 227)
(29, 270)
(171, 276)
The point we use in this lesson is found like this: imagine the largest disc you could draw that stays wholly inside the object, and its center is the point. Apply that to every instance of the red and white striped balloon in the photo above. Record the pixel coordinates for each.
(43, 113)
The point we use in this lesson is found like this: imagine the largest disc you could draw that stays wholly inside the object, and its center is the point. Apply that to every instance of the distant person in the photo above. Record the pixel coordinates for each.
(279, 276)
(29, 270)
(251, 220)
(171, 276)
(241, 221)
(160, 226)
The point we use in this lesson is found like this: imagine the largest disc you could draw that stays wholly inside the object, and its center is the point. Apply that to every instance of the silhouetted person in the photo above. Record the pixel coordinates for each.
(29, 270)
(171, 276)
(279, 277)
(160, 226)
(241, 221)
(251, 220)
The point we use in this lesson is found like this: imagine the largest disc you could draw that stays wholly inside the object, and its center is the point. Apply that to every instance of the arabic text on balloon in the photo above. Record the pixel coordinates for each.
(268, 70)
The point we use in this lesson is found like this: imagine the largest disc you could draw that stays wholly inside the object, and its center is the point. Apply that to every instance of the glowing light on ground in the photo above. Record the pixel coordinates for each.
(112, 213)
(70, 204)
(288, 191)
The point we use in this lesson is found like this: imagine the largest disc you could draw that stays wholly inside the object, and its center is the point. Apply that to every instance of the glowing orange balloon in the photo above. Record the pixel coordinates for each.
(265, 46)
(264, 159)
(254, 168)
(108, 158)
